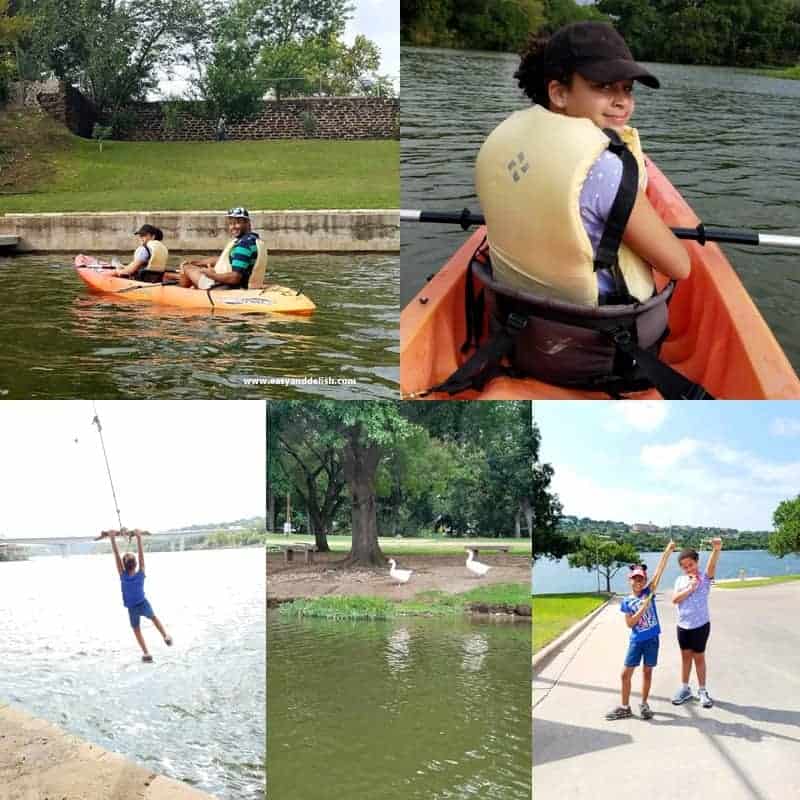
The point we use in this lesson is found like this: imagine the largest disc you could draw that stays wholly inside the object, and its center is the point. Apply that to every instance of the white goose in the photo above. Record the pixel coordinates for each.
(399, 575)
(476, 567)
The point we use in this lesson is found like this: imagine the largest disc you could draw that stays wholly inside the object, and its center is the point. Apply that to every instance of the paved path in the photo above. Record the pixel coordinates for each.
(39, 761)
(745, 748)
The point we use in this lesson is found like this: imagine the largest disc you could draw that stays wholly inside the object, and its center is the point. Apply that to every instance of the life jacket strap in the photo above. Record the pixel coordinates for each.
(608, 247)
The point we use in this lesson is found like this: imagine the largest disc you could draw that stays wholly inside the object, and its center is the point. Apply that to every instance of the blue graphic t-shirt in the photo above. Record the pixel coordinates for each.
(647, 627)
(132, 588)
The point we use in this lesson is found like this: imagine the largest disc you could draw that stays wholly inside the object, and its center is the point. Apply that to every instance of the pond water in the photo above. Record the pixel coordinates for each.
(418, 709)
(61, 341)
(551, 576)
(197, 713)
(724, 137)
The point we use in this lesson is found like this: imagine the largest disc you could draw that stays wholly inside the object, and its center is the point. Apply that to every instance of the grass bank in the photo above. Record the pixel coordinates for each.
(554, 613)
(431, 603)
(789, 73)
(737, 584)
(393, 546)
(45, 168)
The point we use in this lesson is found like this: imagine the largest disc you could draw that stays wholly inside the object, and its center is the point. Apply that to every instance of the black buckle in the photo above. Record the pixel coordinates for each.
(516, 322)
(622, 338)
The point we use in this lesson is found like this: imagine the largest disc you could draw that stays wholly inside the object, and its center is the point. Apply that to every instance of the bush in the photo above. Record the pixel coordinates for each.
(172, 115)
(309, 123)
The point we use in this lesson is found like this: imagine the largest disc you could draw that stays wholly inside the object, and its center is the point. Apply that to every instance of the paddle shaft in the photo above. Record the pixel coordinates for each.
(701, 233)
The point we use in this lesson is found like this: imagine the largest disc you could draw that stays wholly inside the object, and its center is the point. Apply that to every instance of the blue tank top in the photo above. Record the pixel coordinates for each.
(132, 588)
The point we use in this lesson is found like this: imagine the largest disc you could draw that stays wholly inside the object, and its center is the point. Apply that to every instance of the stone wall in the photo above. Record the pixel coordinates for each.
(60, 101)
(311, 118)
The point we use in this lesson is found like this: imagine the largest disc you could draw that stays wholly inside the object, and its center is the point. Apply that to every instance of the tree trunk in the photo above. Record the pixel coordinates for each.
(527, 511)
(608, 581)
(360, 468)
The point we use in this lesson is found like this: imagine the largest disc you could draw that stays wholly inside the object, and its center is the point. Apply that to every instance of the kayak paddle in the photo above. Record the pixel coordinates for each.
(701, 233)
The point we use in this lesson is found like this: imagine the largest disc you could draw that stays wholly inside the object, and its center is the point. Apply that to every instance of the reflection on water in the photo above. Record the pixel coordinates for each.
(197, 713)
(724, 137)
(413, 709)
(60, 340)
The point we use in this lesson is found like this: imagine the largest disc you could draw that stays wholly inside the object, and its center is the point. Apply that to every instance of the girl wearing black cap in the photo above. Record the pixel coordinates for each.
(149, 259)
(547, 179)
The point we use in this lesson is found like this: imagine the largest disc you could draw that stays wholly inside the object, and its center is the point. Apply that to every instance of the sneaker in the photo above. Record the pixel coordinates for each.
(681, 696)
(168, 641)
(147, 659)
(645, 711)
(620, 712)
(705, 700)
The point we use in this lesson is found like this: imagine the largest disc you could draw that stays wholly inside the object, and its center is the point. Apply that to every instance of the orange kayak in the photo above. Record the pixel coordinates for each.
(269, 300)
(717, 337)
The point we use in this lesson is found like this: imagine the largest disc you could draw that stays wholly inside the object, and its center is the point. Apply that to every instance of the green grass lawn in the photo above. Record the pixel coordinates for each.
(790, 73)
(757, 582)
(44, 168)
(428, 603)
(393, 546)
(554, 613)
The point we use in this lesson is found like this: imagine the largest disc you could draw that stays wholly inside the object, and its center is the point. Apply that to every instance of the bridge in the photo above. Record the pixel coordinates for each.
(176, 539)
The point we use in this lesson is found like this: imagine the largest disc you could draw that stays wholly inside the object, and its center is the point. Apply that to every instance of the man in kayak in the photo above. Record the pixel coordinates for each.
(241, 264)
(132, 583)
(149, 259)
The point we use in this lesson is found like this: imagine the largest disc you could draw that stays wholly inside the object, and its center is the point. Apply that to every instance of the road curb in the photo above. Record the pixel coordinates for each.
(548, 652)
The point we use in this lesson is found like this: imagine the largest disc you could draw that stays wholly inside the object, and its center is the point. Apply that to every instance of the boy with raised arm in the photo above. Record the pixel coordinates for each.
(132, 583)
(694, 620)
(642, 618)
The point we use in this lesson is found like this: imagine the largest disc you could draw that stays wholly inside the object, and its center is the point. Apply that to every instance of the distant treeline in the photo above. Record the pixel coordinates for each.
(718, 32)
(683, 535)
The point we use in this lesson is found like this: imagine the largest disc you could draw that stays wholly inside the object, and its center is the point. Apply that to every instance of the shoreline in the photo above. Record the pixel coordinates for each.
(287, 231)
(39, 759)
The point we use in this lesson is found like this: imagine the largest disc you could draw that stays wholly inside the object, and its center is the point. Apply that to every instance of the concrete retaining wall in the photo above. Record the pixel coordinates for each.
(206, 231)
(38, 760)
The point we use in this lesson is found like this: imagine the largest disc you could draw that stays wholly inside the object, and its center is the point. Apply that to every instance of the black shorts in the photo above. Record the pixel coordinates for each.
(694, 639)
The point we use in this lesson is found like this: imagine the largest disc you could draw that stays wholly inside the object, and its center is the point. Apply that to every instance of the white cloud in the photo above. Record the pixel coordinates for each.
(665, 456)
(783, 426)
(645, 416)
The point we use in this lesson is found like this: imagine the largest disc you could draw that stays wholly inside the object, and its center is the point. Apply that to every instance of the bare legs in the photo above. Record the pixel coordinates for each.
(689, 657)
(627, 676)
(137, 632)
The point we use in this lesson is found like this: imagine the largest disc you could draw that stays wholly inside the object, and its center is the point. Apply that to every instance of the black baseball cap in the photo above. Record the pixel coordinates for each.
(146, 229)
(597, 52)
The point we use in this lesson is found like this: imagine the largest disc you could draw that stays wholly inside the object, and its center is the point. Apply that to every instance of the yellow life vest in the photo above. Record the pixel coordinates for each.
(158, 255)
(256, 280)
(529, 174)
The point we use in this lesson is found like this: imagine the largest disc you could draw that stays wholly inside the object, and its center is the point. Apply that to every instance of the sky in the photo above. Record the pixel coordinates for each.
(378, 20)
(710, 463)
(174, 463)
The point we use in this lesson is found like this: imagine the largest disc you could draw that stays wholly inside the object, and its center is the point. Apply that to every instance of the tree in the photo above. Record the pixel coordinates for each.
(607, 556)
(310, 459)
(786, 538)
(362, 434)
(12, 30)
(112, 49)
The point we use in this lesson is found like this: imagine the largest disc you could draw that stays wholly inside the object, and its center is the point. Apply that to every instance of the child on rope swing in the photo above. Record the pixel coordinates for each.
(132, 583)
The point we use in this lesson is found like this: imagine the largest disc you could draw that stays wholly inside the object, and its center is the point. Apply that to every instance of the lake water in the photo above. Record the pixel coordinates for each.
(418, 709)
(551, 576)
(61, 341)
(724, 137)
(197, 713)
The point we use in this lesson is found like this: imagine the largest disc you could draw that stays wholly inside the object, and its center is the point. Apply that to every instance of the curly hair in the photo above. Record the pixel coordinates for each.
(534, 73)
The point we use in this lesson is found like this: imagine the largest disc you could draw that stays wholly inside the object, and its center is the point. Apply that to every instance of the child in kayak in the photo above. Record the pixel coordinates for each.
(641, 617)
(149, 259)
(584, 71)
(132, 583)
(694, 621)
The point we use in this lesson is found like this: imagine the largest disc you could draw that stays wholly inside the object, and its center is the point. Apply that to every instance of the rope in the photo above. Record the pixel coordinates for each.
(96, 421)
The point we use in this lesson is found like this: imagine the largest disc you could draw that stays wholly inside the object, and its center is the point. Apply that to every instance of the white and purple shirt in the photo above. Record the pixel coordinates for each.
(693, 611)
(598, 193)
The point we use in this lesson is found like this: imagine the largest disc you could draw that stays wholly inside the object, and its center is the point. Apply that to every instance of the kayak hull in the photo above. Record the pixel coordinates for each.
(717, 337)
(269, 300)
